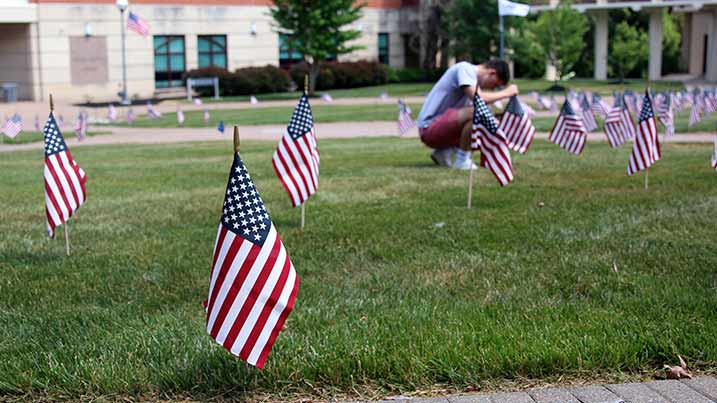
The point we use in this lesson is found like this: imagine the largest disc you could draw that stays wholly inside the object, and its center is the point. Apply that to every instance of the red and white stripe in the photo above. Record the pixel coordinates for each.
(619, 126)
(251, 293)
(495, 155)
(714, 156)
(519, 131)
(64, 189)
(646, 148)
(297, 165)
(569, 133)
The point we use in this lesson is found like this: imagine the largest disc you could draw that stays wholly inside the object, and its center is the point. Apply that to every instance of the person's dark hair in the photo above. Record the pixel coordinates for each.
(501, 69)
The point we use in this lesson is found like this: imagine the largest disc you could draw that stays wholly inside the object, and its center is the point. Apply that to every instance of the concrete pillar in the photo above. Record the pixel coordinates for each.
(654, 70)
(551, 73)
(601, 36)
(711, 73)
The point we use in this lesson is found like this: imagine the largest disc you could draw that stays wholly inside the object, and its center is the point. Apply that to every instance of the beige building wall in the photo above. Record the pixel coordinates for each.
(16, 59)
(701, 24)
(251, 41)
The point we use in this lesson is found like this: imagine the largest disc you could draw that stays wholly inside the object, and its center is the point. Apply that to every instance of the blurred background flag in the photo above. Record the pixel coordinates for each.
(405, 120)
(296, 159)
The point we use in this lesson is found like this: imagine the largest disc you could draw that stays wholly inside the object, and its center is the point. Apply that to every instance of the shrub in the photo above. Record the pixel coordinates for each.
(414, 75)
(343, 74)
(244, 81)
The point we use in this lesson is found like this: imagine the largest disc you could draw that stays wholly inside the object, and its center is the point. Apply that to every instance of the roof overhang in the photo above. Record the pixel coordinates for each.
(678, 5)
(17, 12)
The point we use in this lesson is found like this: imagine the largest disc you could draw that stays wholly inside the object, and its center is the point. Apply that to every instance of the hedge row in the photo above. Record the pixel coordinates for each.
(333, 75)
(244, 81)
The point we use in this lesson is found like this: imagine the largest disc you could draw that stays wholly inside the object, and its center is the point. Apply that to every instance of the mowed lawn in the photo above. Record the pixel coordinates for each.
(402, 287)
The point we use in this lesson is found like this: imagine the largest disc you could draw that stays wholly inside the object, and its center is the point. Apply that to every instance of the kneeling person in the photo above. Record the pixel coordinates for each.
(446, 119)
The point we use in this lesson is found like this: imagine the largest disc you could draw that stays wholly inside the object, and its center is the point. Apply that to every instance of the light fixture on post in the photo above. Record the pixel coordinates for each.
(122, 6)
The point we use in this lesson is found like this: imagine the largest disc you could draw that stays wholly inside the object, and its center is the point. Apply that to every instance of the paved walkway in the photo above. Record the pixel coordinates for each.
(127, 135)
(698, 390)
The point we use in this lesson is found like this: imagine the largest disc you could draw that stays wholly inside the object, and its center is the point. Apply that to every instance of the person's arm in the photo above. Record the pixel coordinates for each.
(490, 97)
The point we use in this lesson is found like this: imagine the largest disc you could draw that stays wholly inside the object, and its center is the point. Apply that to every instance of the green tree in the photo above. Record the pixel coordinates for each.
(628, 48)
(671, 42)
(317, 29)
(473, 27)
(559, 36)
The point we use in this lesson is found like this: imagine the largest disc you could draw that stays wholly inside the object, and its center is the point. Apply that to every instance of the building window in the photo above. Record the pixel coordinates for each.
(383, 48)
(168, 61)
(212, 51)
(287, 55)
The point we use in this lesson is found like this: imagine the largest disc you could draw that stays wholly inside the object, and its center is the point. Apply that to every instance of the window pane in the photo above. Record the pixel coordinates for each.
(382, 40)
(176, 45)
(204, 60)
(203, 44)
(160, 43)
(220, 60)
(177, 62)
(160, 63)
(283, 55)
(220, 42)
(161, 84)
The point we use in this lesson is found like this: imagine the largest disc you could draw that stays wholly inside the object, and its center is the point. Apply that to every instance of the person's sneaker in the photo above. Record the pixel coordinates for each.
(442, 157)
(465, 165)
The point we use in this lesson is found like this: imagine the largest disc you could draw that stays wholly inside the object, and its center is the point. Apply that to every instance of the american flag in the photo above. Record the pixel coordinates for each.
(544, 102)
(710, 103)
(61, 121)
(81, 126)
(516, 126)
(112, 113)
(528, 109)
(677, 101)
(646, 148)
(665, 112)
(130, 116)
(587, 112)
(599, 106)
(180, 117)
(253, 282)
(253, 100)
(197, 101)
(553, 104)
(619, 126)
(494, 152)
(220, 127)
(152, 112)
(630, 101)
(206, 117)
(136, 24)
(37, 123)
(326, 97)
(405, 121)
(695, 112)
(64, 179)
(569, 131)
(296, 159)
(714, 156)
(13, 126)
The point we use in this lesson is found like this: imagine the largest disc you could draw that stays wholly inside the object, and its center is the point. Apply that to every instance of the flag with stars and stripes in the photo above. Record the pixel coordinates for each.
(253, 283)
(64, 179)
(714, 155)
(619, 126)
(516, 126)
(130, 116)
(13, 126)
(206, 117)
(81, 126)
(665, 112)
(37, 123)
(137, 24)
(405, 121)
(296, 159)
(587, 112)
(646, 147)
(489, 138)
(112, 113)
(599, 106)
(152, 112)
(180, 117)
(569, 131)
(695, 112)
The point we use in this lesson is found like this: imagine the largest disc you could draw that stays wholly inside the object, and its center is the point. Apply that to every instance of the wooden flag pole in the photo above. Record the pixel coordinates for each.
(66, 224)
(306, 84)
(236, 139)
(471, 179)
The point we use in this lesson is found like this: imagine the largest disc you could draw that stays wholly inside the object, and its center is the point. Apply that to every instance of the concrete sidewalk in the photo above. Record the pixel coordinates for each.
(132, 135)
(698, 390)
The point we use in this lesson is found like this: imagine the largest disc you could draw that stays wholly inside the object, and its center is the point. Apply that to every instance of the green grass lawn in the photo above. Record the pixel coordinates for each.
(32, 137)
(402, 287)
(279, 115)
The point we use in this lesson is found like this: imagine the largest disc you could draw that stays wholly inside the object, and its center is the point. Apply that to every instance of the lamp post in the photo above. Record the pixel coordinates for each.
(122, 5)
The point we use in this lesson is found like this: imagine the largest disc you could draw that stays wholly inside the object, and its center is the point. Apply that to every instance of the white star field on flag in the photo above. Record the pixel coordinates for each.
(244, 213)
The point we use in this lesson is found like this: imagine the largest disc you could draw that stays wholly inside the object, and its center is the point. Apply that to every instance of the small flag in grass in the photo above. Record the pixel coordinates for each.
(220, 128)
(253, 283)
(714, 155)
(569, 131)
(13, 126)
(494, 152)
(180, 117)
(206, 117)
(516, 125)
(646, 148)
